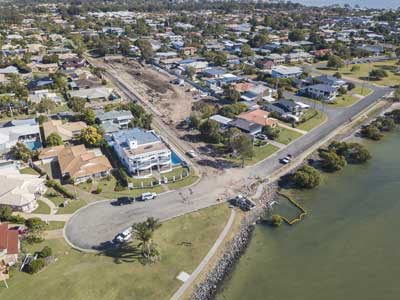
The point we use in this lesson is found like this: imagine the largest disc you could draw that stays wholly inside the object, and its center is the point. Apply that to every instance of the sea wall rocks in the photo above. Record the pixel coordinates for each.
(235, 248)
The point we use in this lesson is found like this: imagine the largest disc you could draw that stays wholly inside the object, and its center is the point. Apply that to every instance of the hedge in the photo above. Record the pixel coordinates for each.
(59, 188)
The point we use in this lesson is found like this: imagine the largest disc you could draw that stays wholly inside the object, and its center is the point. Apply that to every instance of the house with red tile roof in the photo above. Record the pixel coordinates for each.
(9, 249)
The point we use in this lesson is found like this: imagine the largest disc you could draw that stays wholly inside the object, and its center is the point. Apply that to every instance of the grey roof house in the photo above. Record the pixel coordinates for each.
(113, 121)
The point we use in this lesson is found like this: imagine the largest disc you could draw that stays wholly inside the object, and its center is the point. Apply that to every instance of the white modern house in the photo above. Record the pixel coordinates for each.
(322, 92)
(141, 151)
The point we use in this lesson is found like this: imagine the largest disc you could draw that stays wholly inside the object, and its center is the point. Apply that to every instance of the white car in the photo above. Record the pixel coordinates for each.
(287, 159)
(191, 153)
(261, 136)
(124, 236)
(148, 196)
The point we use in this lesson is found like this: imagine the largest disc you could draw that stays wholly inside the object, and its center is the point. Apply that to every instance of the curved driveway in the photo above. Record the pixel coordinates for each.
(93, 226)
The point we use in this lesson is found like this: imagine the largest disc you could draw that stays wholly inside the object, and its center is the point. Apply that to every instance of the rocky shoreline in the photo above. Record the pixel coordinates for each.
(235, 248)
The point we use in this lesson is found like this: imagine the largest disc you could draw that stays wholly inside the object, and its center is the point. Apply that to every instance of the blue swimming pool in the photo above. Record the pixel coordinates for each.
(176, 160)
(34, 145)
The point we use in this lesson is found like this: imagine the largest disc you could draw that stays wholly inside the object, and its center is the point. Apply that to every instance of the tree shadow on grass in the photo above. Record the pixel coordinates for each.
(388, 67)
(120, 253)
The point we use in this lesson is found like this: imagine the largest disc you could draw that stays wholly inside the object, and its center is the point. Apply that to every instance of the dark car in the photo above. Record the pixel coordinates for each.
(125, 200)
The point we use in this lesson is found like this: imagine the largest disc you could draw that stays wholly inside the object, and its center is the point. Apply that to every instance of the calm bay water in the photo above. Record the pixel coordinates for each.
(347, 248)
(361, 3)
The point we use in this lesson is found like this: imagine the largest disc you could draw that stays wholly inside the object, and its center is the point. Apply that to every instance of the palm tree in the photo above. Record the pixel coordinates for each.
(144, 235)
(152, 223)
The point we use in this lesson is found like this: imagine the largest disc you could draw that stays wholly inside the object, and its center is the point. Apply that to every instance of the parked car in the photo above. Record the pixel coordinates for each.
(124, 236)
(261, 136)
(191, 153)
(287, 159)
(125, 200)
(148, 196)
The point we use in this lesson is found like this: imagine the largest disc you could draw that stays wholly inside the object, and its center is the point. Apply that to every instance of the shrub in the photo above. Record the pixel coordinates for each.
(90, 180)
(372, 132)
(276, 220)
(98, 190)
(35, 266)
(5, 213)
(306, 177)
(17, 219)
(46, 252)
(331, 161)
(119, 187)
(59, 188)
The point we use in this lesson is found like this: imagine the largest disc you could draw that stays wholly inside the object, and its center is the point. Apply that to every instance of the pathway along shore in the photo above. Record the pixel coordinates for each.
(236, 247)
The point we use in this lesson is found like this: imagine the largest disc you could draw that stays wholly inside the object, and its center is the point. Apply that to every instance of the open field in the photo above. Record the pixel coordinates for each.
(183, 242)
(390, 66)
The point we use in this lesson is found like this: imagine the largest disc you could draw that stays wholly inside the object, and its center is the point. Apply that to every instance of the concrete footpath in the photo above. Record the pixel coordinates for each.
(180, 292)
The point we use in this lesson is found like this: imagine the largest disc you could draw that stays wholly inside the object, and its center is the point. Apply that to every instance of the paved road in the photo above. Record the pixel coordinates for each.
(93, 226)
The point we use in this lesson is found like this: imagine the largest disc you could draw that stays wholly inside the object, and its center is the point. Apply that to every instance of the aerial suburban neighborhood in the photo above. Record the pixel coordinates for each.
(143, 142)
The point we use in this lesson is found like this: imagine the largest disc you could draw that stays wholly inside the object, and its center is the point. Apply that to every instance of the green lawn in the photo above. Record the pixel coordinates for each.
(287, 136)
(108, 192)
(390, 66)
(42, 209)
(184, 182)
(351, 97)
(28, 171)
(183, 243)
(57, 199)
(55, 225)
(360, 90)
(315, 121)
(345, 100)
(261, 153)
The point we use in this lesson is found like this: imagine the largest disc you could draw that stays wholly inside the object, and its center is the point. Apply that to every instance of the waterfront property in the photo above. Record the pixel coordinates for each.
(321, 92)
(141, 151)
(77, 162)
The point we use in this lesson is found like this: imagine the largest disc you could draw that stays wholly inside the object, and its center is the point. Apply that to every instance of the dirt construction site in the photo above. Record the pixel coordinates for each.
(172, 103)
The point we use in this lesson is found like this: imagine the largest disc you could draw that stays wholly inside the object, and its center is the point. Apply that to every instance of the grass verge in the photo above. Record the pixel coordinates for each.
(183, 242)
